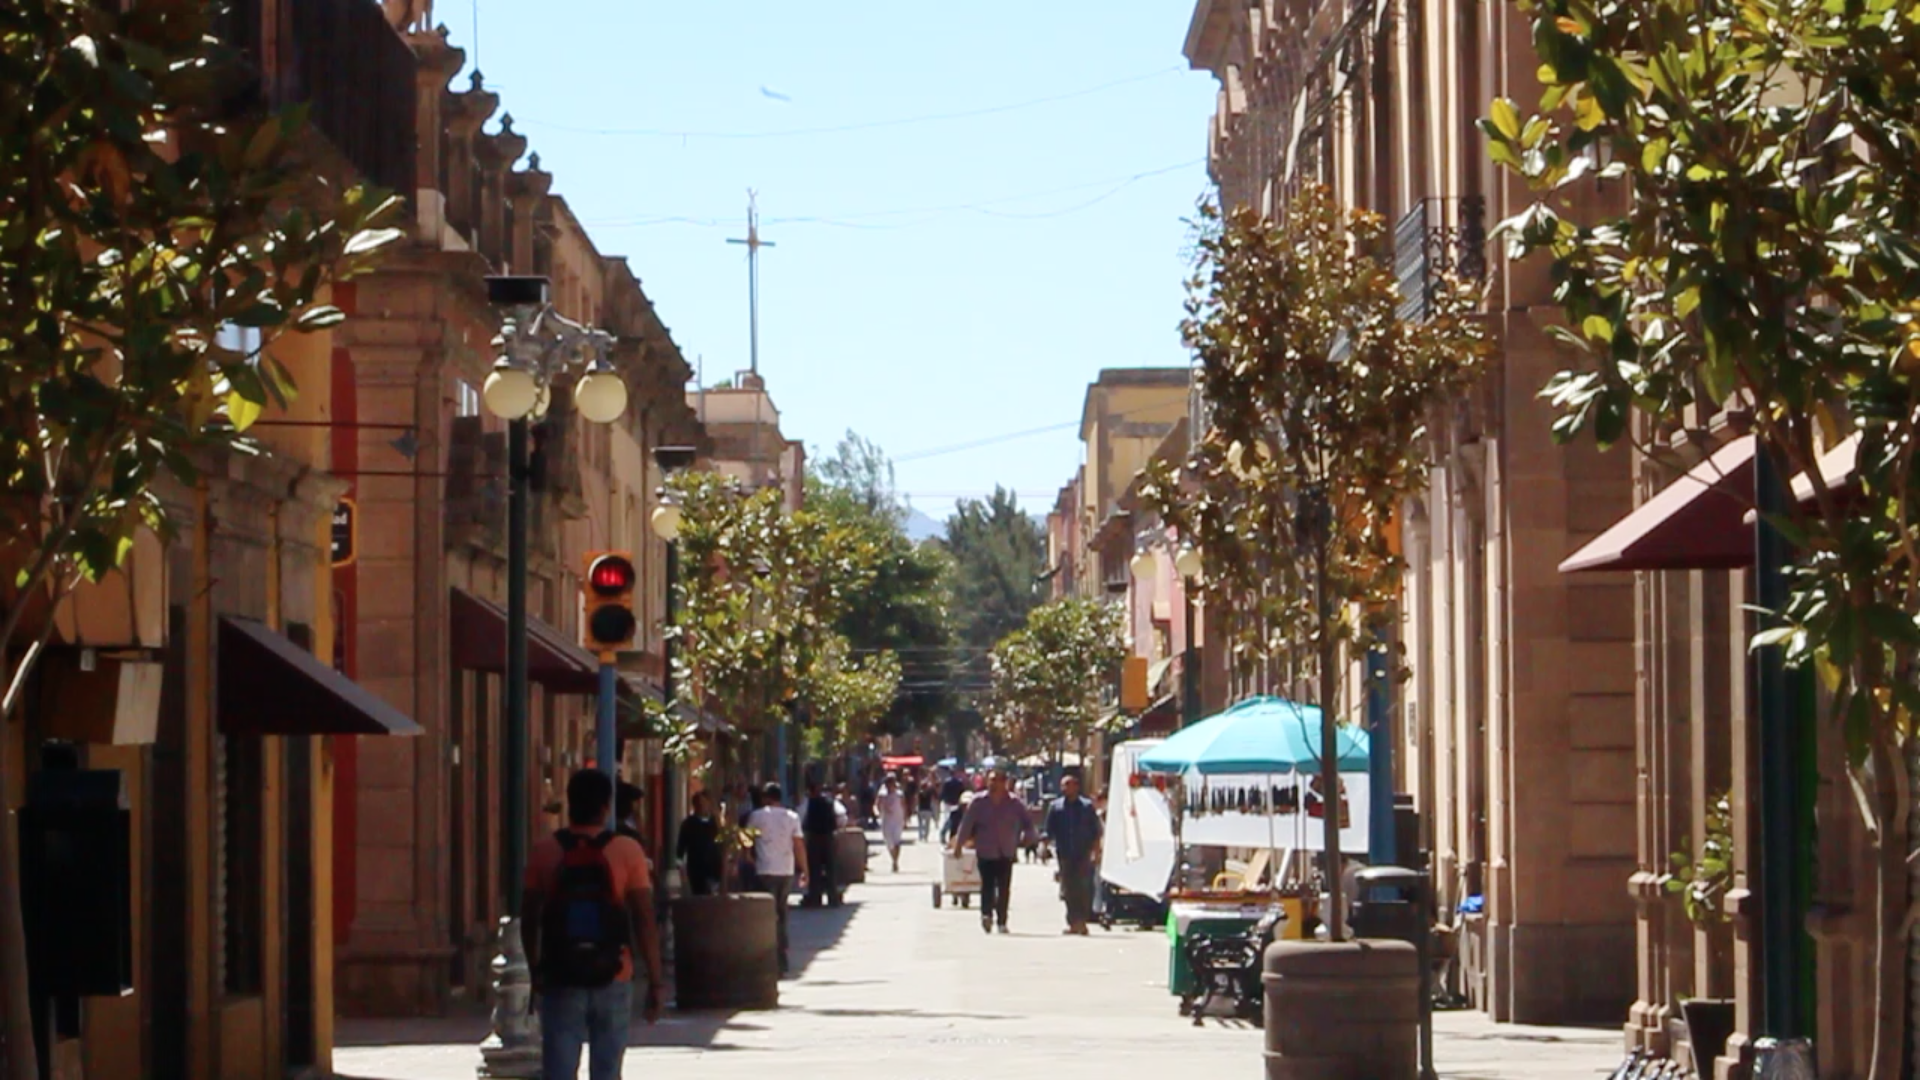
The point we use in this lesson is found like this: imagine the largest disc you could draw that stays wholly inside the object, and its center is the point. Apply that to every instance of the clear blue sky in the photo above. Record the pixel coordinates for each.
(936, 282)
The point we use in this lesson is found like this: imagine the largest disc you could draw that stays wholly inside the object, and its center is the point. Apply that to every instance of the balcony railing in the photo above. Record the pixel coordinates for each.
(344, 61)
(1429, 244)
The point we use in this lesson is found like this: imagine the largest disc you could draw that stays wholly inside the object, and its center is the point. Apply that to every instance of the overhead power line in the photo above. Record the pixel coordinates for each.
(995, 440)
(863, 219)
(866, 125)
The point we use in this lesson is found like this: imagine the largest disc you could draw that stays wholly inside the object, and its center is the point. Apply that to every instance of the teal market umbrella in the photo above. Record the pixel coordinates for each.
(1260, 735)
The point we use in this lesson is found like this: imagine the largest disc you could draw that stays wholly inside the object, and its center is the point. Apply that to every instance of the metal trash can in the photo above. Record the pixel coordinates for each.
(1388, 903)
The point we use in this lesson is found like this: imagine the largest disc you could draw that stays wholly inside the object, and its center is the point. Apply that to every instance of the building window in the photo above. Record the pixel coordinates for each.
(466, 398)
(239, 778)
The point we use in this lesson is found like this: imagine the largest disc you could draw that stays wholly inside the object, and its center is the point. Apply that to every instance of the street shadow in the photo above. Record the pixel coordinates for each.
(468, 1024)
(812, 931)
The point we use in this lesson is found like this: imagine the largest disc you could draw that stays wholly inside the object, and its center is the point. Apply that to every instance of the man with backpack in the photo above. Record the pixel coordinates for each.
(586, 904)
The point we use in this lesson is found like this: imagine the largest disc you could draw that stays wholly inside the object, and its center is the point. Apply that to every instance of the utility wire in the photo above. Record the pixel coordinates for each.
(995, 440)
(867, 125)
(860, 219)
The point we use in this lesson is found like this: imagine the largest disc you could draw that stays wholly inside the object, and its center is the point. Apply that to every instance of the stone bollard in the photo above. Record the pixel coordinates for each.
(1346, 1010)
(850, 857)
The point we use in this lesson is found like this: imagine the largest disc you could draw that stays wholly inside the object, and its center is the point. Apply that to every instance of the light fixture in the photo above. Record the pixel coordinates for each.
(1188, 562)
(1142, 567)
(601, 394)
(666, 522)
(510, 393)
(542, 401)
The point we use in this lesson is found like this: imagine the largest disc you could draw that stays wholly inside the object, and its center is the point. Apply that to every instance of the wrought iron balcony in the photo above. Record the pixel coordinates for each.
(1437, 238)
(342, 59)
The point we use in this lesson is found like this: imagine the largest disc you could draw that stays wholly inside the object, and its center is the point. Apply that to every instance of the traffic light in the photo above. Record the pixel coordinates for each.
(609, 621)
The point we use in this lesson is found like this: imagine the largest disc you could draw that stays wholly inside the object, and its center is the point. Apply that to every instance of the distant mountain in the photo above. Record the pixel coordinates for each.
(921, 526)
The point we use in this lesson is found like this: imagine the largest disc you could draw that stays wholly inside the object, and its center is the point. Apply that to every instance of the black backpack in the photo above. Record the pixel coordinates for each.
(821, 818)
(584, 929)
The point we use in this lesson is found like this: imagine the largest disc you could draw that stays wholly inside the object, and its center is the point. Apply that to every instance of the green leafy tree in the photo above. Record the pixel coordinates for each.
(846, 697)
(999, 554)
(905, 607)
(761, 590)
(1052, 680)
(140, 212)
(1768, 261)
(1318, 395)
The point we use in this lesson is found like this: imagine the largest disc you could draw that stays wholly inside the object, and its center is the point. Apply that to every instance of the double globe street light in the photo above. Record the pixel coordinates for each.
(536, 347)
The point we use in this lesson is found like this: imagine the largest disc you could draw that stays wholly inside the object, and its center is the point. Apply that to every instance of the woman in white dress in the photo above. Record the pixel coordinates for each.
(891, 806)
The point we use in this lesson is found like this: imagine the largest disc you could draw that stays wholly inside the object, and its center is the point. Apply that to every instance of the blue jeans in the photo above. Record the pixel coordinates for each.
(573, 1017)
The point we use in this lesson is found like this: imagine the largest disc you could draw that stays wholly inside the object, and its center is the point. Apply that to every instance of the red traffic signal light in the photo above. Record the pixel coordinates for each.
(610, 575)
(609, 622)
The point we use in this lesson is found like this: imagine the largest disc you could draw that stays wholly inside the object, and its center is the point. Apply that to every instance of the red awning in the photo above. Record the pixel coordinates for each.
(269, 685)
(1698, 522)
(902, 761)
(479, 641)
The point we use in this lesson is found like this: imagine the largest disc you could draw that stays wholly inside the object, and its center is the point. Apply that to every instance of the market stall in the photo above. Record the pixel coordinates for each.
(1247, 779)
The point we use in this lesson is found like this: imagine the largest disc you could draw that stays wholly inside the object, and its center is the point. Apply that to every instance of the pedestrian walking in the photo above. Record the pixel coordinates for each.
(926, 793)
(779, 858)
(818, 824)
(997, 824)
(586, 903)
(952, 787)
(626, 813)
(698, 847)
(748, 798)
(1074, 826)
(891, 807)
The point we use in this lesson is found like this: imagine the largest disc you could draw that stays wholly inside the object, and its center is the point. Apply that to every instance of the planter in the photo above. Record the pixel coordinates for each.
(726, 952)
(849, 857)
(1709, 1026)
(1344, 1010)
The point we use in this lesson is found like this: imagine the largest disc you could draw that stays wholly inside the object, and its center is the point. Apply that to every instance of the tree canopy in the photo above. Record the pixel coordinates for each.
(999, 554)
(1318, 394)
(1052, 680)
(905, 607)
(1765, 268)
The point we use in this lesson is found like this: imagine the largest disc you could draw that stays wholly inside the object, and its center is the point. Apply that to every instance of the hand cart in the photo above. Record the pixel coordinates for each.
(959, 878)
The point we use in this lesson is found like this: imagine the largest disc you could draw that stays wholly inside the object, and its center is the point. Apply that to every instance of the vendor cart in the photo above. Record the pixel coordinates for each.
(959, 878)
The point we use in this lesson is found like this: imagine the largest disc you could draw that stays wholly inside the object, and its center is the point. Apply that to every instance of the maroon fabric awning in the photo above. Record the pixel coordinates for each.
(268, 685)
(479, 643)
(1698, 522)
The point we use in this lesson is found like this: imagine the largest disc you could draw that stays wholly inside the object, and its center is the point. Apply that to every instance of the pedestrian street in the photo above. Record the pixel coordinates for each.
(890, 986)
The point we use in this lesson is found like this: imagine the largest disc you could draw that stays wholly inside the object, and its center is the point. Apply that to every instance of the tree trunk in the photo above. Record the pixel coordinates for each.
(23, 1062)
(16, 1023)
(1330, 802)
(1891, 793)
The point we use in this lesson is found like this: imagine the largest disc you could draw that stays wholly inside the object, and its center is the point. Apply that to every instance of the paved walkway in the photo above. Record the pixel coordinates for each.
(889, 986)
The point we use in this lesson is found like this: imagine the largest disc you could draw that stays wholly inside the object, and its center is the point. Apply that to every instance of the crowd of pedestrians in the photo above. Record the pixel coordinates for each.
(591, 921)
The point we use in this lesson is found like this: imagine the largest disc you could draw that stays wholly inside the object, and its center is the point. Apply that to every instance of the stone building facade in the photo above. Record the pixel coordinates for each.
(418, 830)
(198, 672)
(1517, 727)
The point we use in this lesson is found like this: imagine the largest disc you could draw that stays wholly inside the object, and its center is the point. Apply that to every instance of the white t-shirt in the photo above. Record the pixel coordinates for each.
(778, 828)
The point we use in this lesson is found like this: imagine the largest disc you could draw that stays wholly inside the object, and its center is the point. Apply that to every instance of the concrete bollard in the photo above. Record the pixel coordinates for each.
(1346, 1010)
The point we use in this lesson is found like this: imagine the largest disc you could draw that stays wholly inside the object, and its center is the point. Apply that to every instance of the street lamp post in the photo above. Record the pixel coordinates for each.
(666, 525)
(536, 344)
(1189, 564)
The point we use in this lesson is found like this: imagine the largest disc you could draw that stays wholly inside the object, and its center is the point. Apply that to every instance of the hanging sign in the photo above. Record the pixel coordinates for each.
(346, 532)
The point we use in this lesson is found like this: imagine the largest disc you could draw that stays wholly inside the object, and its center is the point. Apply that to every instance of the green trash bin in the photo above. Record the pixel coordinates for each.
(1180, 980)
